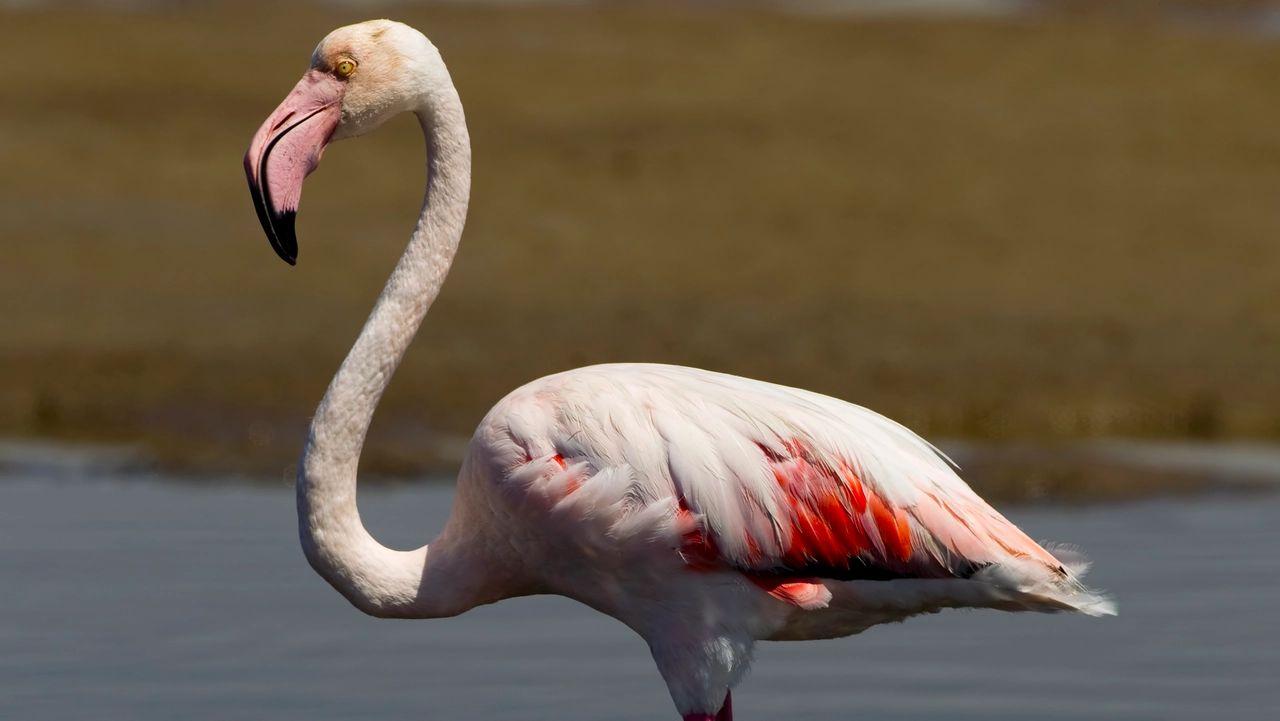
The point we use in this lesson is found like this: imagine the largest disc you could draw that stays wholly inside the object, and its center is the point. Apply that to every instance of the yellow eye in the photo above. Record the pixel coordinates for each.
(345, 68)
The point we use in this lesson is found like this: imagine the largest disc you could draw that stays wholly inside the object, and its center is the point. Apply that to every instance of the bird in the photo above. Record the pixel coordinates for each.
(705, 511)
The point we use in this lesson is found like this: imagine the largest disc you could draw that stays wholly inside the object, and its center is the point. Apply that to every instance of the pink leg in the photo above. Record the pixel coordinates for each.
(726, 712)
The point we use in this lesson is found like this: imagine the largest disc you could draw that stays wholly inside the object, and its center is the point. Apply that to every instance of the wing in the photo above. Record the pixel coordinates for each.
(776, 482)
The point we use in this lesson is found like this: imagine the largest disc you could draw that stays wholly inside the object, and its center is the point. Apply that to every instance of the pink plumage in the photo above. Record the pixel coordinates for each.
(765, 480)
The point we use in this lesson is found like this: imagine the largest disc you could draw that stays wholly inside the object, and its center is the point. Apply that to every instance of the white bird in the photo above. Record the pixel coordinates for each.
(705, 511)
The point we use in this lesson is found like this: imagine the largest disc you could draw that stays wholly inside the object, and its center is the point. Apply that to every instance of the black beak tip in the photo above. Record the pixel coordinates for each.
(278, 226)
(283, 239)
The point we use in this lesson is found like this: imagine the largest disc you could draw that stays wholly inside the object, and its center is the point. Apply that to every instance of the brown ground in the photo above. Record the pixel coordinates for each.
(1053, 227)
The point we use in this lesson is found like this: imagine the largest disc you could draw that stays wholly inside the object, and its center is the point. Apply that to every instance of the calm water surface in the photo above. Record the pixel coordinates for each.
(143, 600)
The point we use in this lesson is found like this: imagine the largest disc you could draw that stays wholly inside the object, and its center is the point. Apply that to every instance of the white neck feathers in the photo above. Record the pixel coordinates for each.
(376, 579)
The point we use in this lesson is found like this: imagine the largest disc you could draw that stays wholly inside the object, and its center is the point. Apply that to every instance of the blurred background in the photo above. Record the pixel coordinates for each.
(1042, 233)
(989, 220)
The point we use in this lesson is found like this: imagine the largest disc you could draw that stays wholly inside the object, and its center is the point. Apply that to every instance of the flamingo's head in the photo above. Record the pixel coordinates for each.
(360, 76)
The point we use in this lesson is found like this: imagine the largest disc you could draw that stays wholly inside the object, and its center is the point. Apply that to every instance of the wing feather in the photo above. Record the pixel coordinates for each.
(773, 481)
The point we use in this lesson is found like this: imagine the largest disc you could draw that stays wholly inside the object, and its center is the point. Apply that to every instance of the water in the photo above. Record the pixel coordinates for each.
(147, 600)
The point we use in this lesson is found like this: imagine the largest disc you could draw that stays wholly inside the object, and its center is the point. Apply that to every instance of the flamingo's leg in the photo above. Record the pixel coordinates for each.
(726, 711)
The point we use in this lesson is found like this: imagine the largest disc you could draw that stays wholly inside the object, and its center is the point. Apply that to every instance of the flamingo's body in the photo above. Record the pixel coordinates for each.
(703, 510)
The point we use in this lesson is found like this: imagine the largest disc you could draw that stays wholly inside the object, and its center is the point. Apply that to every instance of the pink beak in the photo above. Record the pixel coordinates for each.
(286, 149)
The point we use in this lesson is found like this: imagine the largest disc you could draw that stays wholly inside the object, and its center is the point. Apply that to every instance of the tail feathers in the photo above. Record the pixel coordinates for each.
(1071, 556)
(1047, 589)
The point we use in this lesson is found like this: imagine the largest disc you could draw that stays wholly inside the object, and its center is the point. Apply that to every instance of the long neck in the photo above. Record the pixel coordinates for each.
(378, 580)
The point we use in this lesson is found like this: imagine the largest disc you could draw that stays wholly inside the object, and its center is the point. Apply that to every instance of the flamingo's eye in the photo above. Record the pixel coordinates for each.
(345, 68)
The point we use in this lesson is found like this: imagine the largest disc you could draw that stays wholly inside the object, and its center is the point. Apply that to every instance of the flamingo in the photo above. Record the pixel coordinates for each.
(705, 511)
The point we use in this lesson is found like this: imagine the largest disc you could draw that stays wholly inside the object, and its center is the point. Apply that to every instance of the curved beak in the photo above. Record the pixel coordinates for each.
(286, 149)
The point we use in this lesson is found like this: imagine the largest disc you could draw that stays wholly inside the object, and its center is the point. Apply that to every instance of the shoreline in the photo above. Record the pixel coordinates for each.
(1090, 472)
